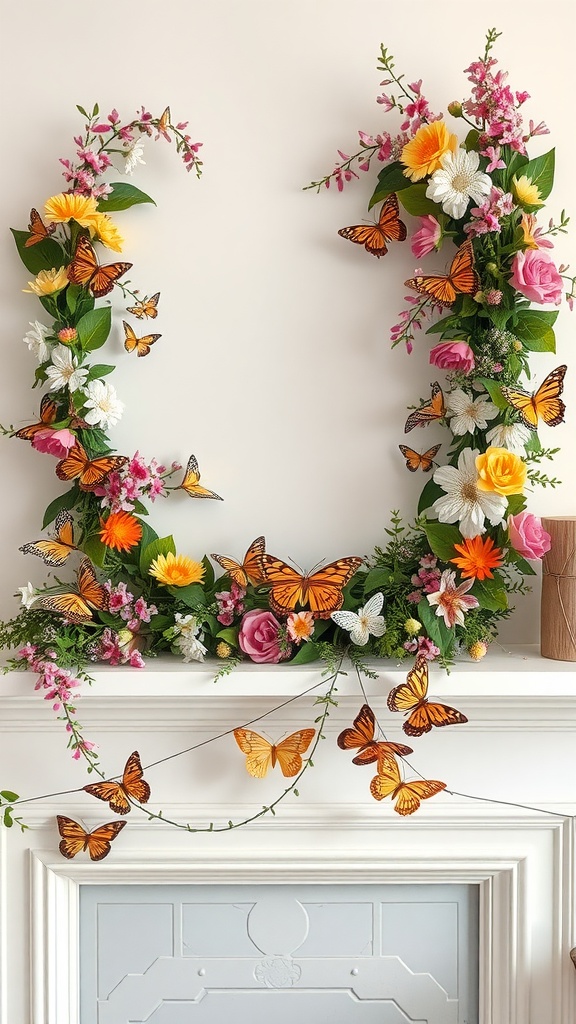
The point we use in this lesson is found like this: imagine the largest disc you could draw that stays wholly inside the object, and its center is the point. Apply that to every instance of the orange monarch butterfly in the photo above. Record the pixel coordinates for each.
(362, 735)
(55, 551)
(38, 230)
(145, 307)
(250, 569)
(461, 279)
(423, 714)
(321, 591)
(76, 606)
(75, 838)
(191, 482)
(435, 409)
(164, 123)
(262, 755)
(142, 345)
(419, 460)
(118, 794)
(374, 236)
(85, 269)
(408, 795)
(543, 403)
(48, 412)
(90, 472)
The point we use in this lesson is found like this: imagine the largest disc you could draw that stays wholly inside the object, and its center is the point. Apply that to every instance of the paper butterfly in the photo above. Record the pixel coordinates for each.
(48, 411)
(462, 279)
(250, 569)
(38, 229)
(75, 838)
(321, 591)
(408, 795)
(366, 622)
(362, 735)
(191, 483)
(544, 403)
(118, 794)
(55, 551)
(262, 755)
(85, 269)
(435, 409)
(164, 123)
(89, 472)
(142, 345)
(76, 606)
(146, 307)
(374, 236)
(423, 714)
(419, 460)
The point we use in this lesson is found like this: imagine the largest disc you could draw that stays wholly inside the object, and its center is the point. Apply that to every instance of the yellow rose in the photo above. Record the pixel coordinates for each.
(423, 154)
(68, 206)
(106, 232)
(48, 282)
(500, 471)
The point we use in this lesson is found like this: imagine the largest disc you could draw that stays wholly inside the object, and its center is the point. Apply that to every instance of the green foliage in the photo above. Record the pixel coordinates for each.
(414, 201)
(122, 197)
(534, 329)
(45, 255)
(442, 537)
(67, 500)
(391, 179)
(159, 546)
(540, 171)
(94, 327)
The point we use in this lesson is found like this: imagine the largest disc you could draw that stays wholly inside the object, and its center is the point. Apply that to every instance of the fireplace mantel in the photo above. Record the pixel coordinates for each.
(518, 747)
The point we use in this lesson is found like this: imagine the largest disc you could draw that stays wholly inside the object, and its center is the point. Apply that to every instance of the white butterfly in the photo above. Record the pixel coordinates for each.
(367, 621)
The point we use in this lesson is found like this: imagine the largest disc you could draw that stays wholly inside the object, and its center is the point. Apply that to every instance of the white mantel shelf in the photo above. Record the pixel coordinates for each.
(512, 672)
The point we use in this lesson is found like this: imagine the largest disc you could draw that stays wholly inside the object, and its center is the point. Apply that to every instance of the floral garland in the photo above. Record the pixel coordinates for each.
(134, 594)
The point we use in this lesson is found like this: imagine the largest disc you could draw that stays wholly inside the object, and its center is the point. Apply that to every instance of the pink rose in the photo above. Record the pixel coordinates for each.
(258, 637)
(527, 535)
(54, 442)
(535, 276)
(453, 355)
(427, 237)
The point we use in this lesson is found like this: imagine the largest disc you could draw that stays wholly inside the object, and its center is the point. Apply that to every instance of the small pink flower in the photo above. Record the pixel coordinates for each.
(259, 637)
(427, 649)
(427, 238)
(535, 276)
(67, 335)
(54, 442)
(300, 626)
(493, 297)
(451, 601)
(455, 356)
(527, 535)
(493, 154)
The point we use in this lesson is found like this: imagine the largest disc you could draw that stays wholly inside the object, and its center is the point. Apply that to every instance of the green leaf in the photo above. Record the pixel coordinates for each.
(122, 197)
(8, 796)
(516, 504)
(520, 563)
(208, 581)
(446, 323)
(95, 549)
(435, 627)
(534, 329)
(308, 652)
(540, 171)
(471, 140)
(160, 546)
(192, 596)
(94, 328)
(414, 200)
(46, 255)
(495, 392)
(229, 635)
(376, 579)
(99, 370)
(429, 494)
(442, 537)
(499, 317)
(7, 818)
(390, 179)
(490, 594)
(66, 500)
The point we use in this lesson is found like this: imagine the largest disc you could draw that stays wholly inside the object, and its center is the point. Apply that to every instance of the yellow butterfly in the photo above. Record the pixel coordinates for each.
(408, 795)
(191, 482)
(142, 345)
(55, 551)
(544, 403)
(262, 755)
(146, 307)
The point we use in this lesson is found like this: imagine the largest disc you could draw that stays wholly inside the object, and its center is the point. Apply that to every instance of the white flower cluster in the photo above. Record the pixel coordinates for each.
(189, 638)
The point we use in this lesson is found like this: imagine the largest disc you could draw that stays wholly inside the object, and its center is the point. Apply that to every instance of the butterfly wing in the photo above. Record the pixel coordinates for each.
(147, 307)
(92, 592)
(133, 782)
(73, 836)
(361, 732)
(323, 589)
(389, 221)
(48, 413)
(74, 464)
(71, 606)
(112, 793)
(444, 289)
(435, 409)
(410, 794)
(85, 269)
(287, 585)
(38, 230)
(409, 694)
(415, 460)
(142, 345)
(430, 713)
(379, 749)
(98, 842)
(368, 235)
(55, 551)
(289, 751)
(386, 782)
(257, 749)
(545, 403)
(96, 470)
(191, 484)
(250, 568)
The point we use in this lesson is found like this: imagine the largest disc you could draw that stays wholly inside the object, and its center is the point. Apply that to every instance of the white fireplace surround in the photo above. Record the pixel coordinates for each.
(522, 860)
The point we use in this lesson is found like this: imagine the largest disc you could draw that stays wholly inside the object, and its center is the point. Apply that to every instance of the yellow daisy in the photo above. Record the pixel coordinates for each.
(176, 570)
(103, 227)
(67, 206)
(48, 281)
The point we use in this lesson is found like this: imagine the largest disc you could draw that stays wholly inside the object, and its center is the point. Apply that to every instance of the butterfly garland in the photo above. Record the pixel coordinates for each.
(118, 795)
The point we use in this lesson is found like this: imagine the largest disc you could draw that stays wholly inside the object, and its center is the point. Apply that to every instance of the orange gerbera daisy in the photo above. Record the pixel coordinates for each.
(423, 154)
(121, 531)
(479, 557)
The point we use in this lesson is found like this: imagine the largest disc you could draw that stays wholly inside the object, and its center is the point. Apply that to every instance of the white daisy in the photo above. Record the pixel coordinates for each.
(458, 181)
(366, 622)
(513, 436)
(104, 407)
(463, 501)
(189, 638)
(467, 412)
(64, 371)
(36, 341)
(132, 154)
(28, 595)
